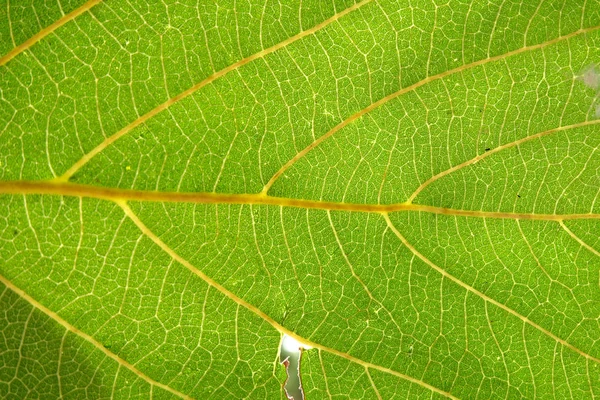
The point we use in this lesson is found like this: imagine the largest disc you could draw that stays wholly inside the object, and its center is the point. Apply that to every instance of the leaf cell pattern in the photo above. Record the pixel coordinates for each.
(410, 189)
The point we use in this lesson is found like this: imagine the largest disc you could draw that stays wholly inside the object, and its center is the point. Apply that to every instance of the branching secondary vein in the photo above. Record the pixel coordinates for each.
(139, 121)
(146, 231)
(483, 295)
(496, 150)
(410, 88)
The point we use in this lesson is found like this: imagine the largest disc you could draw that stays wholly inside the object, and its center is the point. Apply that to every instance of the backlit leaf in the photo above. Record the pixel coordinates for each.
(411, 190)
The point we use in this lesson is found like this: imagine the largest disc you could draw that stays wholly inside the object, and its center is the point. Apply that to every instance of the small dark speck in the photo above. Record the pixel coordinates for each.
(15, 232)
(519, 196)
(487, 149)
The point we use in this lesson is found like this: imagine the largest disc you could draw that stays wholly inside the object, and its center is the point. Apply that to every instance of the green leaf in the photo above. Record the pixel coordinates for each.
(411, 191)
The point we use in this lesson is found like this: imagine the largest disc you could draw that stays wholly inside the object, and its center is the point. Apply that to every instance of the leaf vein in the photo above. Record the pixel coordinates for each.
(578, 239)
(498, 149)
(485, 297)
(46, 31)
(211, 282)
(121, 195)
(175, 99)
(411, 88)
(88, 338)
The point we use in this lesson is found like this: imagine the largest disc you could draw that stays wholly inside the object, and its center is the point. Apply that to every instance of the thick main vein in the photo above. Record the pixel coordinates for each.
(255, 310)
(46, 31)
(87, 338)
(413, 87)
(483, 296)
(119, 195)
(111, 139)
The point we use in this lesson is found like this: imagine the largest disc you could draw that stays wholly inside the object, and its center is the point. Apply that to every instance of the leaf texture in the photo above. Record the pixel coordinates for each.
(409, 189)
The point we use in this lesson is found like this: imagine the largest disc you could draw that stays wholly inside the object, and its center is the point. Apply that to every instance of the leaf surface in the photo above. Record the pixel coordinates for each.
(411, 191)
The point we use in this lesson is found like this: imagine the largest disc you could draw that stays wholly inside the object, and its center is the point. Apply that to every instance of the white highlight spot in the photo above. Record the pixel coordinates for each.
(291, 345)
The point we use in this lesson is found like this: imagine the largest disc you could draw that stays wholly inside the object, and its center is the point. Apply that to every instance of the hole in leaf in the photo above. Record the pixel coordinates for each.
(290, 354)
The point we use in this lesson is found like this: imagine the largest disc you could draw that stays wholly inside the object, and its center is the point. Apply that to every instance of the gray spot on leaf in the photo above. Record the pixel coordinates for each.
(591, 77)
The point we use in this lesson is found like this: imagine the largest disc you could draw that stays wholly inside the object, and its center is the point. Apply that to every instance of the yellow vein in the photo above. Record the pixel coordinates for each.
(146, 231)
(88, 338)
(494, 151)
(108, 141)
(482, 295)
(410, 88)
(324, 375)
(581, 242)
(373, 384)
(46, 31)
(114, 194)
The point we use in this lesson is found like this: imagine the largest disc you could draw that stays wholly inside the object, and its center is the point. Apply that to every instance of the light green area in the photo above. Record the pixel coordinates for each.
(135, 300)
(516, 311)
(22, 19)
(385, 156)
(118, 61)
